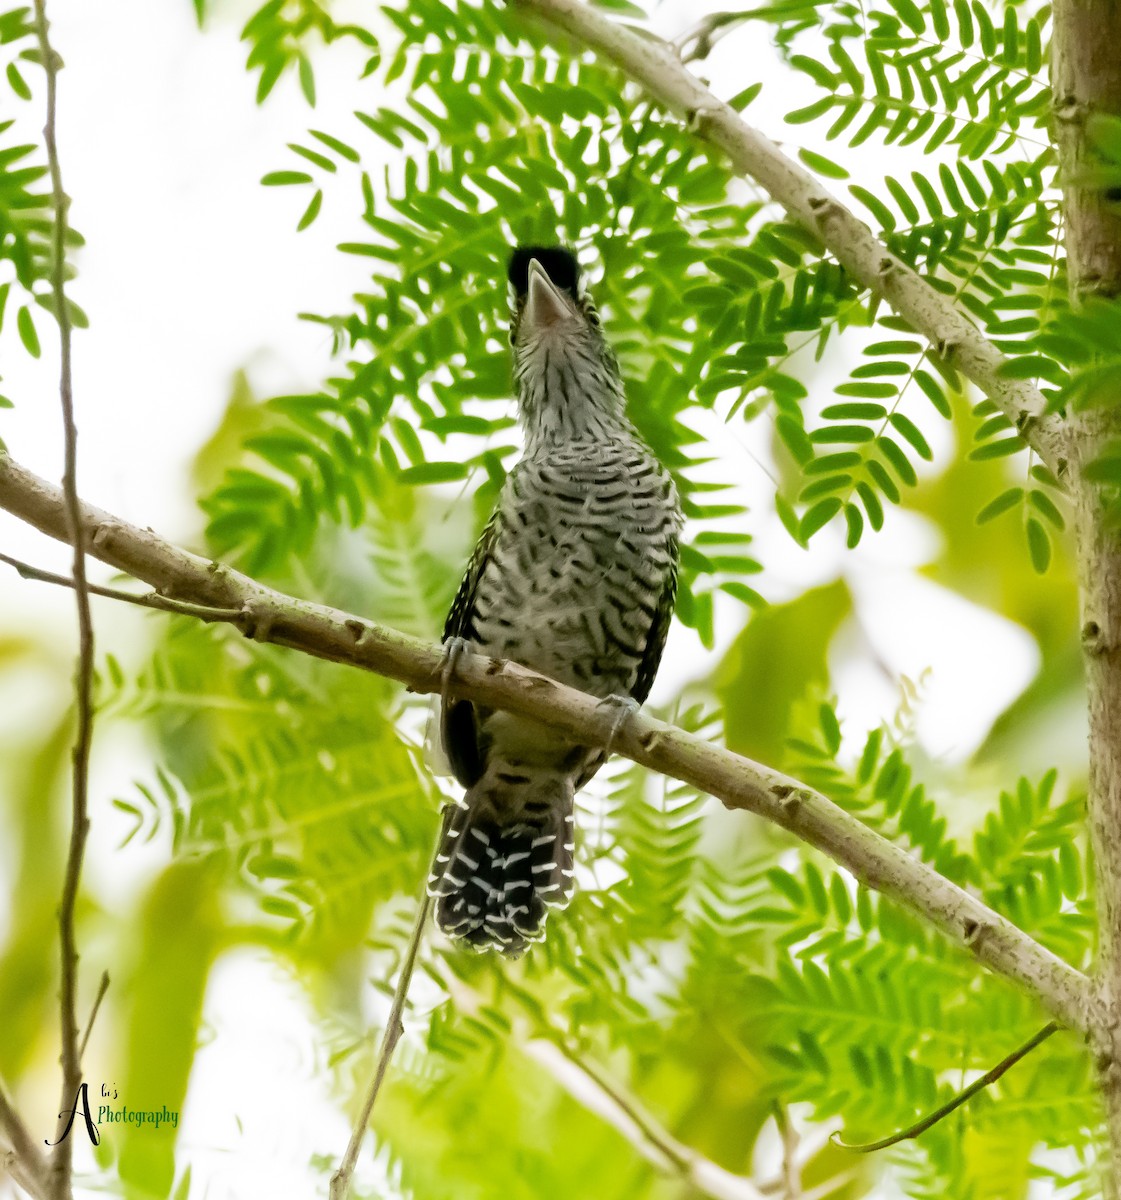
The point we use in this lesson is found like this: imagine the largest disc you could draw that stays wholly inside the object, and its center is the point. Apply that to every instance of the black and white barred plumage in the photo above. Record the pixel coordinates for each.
(575, 576)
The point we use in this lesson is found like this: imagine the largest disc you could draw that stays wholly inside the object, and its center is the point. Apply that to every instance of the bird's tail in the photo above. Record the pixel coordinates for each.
(505, 861)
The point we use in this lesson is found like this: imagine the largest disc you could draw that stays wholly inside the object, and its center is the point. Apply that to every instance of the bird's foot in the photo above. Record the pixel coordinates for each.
(454, 649)
(624, 708)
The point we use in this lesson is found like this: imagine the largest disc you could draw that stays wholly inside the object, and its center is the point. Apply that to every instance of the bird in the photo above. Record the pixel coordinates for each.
(574, 576)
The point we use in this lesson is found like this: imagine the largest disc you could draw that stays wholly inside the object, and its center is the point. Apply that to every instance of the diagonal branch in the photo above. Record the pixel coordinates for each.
(83, 673)
(271, 616)
(698, 1175)
(656, 66)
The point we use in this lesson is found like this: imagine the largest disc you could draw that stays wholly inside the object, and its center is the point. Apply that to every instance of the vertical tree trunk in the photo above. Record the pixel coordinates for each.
(1100, 580)
(1086, 79)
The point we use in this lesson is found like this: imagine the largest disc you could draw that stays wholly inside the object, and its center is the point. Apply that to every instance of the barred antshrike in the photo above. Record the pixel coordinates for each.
(575, 576)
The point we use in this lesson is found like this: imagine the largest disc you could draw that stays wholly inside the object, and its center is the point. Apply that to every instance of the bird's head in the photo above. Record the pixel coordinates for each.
(566, 374)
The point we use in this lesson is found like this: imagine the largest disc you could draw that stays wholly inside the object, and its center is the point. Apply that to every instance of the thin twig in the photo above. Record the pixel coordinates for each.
(340, 1181)
(791, 1172)
(737, 782)
(83, 681)
(913, 1131)
(591, 1087)
(148, 600)
(676, 1154)
(13, 1165)
(26, 1164)
(700, 1176)
(698, 41)
(102, 988)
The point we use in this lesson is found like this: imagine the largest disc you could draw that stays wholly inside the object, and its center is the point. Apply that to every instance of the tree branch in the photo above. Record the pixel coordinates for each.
(659, 1147)
(83, 679)
(659, 70)
(271, 616)
(26, 1164)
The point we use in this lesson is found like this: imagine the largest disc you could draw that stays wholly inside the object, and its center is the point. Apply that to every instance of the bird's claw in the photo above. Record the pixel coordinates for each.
(625, 707)
(454, 649)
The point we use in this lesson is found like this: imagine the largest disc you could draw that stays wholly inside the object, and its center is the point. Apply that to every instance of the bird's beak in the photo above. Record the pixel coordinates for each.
(545, 305)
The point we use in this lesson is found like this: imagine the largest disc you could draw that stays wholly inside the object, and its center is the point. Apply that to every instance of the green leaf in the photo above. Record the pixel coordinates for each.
(1070, 870)
(788, 884)
(339, 147)
(831, 434)
(882, 349)
(909, 430)
(743, 593)
(312, 210)
(856, 412)
(1001, 504)
(1043, 503)
(1039, 545)
(313, 156)
(794, 437)
(898, 460)
(26, 326)
(830, 727)
(741, 100)
(998, 449)
(911, 15)
(284, 178)
(1105, 469)
(872, 391)
(872, 506)
(933, 392)
(307, 78)
(854, 523)
(821, 164)
(818, 515)
(875, 206)
(811, 112)
(17, 82)
(433, 472)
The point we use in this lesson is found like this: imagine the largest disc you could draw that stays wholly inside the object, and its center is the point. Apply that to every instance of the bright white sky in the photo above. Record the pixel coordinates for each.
(191, 271)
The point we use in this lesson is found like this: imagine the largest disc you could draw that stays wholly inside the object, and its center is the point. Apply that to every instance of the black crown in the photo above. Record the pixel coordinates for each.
(559, 262)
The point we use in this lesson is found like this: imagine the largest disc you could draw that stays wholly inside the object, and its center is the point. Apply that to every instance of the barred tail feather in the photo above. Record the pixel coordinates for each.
(497, 877)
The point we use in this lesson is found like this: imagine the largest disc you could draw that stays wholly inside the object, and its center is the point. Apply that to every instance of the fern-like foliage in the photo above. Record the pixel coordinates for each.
(26, 222)
(296, 779)
(704, 955)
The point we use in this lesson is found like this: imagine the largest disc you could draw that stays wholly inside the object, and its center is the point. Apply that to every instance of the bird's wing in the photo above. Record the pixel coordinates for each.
(651, 657)
(659, 631)
(458, 726)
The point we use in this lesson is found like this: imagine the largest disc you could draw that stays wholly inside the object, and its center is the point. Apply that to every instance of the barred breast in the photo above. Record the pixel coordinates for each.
(585, 543)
